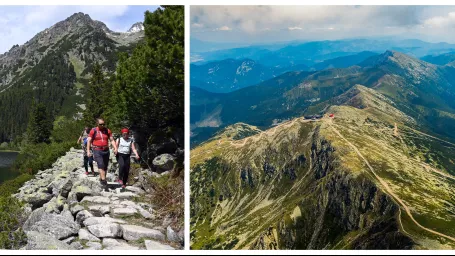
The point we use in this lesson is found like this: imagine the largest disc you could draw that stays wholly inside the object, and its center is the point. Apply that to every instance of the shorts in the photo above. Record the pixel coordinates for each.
(101, 158)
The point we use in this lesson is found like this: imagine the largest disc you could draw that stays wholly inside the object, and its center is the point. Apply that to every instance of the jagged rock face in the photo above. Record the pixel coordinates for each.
(342, 203)
(74, 207)
(137, 27)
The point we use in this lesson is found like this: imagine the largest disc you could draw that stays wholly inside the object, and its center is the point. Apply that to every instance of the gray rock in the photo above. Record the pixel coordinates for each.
(77, 246)
(82, 216)
(113, 244)
(69, 240)
(99, 210)
(85, 235)
(112, 230)
(66, 188)
(76, 208)
(154, 245)
(133, 232)
(164, 162)
(33, 218)
(145, 214)
(93, 246)
(126, 195)
(81, 192)
(110, 242)
(67, 214)
(128, 203)
(97, 199)
(102, 220)
(171, 235)
(40, 241)
(136, 190)
(124, 212)
(37, 199)
(55, 205)
(57, 226)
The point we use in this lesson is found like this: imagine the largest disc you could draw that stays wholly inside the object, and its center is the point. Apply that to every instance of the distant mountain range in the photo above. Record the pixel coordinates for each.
(407, 80)
(309, 53)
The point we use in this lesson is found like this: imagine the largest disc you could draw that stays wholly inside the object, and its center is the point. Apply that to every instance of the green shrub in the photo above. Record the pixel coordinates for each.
(12, 216)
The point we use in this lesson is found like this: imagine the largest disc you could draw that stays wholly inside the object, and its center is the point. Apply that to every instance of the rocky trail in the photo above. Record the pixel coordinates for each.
(69, 210)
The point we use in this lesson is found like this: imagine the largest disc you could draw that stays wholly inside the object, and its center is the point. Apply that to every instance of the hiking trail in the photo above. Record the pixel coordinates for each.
(70, 210)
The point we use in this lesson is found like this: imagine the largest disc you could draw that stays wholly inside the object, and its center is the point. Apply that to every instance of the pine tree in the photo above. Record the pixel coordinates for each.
(98, 94)
(149, 87)
(39, 126)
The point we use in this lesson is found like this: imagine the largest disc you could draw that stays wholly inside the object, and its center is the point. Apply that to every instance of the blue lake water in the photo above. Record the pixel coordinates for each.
(6, 160)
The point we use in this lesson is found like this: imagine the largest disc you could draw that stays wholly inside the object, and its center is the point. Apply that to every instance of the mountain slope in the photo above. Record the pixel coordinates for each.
(54, 67)
(442, 59)
(343, 62)
(230, 75)
(367, 179)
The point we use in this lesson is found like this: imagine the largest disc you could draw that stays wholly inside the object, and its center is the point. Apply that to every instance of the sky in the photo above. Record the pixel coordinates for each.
(18, 24)
(260, 24)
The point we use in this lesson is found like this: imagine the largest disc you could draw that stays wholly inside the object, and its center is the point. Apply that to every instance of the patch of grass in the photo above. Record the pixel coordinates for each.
(168, 196)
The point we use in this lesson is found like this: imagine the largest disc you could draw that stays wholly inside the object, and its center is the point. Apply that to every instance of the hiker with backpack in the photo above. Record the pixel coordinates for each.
(125, 145)
(99, 137)
(87, 160)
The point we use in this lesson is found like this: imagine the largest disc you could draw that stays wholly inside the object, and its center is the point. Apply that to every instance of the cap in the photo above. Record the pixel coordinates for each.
(125, 130)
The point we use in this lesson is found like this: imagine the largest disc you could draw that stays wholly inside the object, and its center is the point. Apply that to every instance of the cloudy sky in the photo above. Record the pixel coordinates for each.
(257, 24)
(18, 24)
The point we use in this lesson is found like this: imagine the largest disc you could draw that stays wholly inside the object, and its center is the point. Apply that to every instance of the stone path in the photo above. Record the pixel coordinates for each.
(69, 210)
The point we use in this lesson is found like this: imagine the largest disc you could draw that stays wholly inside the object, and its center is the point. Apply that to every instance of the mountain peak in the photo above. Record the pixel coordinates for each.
(392, 57)
(79, 16)
(136, 27)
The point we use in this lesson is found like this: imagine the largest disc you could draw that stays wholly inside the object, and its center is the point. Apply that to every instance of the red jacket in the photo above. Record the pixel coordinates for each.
(101, 138)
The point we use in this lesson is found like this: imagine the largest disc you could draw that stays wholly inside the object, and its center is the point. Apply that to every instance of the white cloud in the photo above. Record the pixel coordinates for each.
(323, 22)
(197, 25)
(441, 21)
(224, 28)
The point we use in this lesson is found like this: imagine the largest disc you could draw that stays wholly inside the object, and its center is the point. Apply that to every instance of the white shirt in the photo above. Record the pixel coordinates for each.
(124, 146)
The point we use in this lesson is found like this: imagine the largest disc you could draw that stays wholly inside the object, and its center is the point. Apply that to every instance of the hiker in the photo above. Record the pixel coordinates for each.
(125, 144)
(87, 160)
(99, 137)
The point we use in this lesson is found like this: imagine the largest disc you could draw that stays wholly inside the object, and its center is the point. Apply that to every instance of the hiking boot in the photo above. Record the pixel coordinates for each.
(86, 173)
(120, 182)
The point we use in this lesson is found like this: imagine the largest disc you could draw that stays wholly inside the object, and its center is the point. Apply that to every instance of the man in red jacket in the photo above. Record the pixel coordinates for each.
(98, 139)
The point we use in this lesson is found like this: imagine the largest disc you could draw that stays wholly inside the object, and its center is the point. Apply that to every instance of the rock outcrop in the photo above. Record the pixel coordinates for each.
(69, 210)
